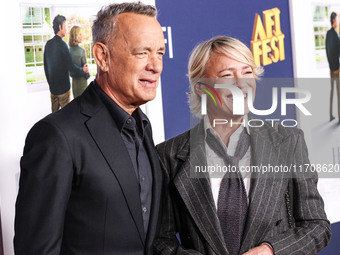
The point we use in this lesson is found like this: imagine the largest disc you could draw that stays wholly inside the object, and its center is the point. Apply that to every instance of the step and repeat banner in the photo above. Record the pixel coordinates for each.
(262, 25)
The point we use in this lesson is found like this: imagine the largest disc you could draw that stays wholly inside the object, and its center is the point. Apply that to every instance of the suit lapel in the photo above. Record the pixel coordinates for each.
(104, 132)
(196, 192)
(263, 197)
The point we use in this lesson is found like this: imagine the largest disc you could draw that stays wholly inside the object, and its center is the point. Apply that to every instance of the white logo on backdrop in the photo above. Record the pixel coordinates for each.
(168, 40)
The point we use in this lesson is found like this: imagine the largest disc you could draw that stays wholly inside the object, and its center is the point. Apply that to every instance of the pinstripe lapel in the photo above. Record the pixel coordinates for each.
(267, 147)
(196, 192)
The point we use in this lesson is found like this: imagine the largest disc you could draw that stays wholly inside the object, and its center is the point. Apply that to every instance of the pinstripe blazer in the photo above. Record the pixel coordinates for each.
(189, 209)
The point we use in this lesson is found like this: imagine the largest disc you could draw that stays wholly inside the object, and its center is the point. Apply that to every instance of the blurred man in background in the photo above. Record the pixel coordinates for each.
(333, 53)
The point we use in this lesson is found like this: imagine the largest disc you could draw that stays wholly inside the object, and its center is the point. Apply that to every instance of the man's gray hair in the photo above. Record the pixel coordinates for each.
(104, 24)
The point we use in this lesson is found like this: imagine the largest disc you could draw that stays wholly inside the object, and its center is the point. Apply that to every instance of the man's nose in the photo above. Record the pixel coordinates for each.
(155, 64)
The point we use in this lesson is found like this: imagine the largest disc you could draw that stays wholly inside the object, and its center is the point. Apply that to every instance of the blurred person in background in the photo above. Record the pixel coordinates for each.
(57, 65)
(333, 54)
(79, 83)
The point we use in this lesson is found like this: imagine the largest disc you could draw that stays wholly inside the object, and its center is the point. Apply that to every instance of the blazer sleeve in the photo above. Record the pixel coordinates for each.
(44, 190)
(311, 231)
(167, 242)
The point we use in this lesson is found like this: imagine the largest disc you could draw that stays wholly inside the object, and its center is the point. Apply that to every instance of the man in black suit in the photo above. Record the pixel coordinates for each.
(333, 54)
(90, 178)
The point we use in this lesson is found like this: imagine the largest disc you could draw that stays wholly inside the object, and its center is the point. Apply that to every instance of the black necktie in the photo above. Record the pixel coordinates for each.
(232, 203)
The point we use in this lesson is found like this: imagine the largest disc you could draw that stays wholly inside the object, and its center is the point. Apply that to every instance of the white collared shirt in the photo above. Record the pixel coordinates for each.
(213, 159)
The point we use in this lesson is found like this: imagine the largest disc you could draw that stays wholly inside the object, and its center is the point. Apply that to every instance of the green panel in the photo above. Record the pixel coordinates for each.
(87, 47)
(323, 41)
(27, 16)
(39, 53)
(36, 16)
(317, 43)
(47, 16)
(27, 39)
(37, 38)
(29, 54)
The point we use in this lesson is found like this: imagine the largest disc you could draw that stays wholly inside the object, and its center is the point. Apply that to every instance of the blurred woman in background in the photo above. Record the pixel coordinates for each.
(79, 83)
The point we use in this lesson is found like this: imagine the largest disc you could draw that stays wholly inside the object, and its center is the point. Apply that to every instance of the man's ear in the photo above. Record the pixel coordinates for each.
(101, 55)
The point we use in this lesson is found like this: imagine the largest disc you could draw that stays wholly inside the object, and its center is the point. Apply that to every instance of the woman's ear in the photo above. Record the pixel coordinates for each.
(198, 89)
(102, 56)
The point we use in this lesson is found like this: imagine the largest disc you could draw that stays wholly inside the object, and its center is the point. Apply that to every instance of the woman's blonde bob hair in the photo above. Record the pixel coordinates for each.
(74, 36)
(200, 57)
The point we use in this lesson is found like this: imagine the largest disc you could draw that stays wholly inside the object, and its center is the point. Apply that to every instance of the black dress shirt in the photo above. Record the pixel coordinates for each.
(333, 49)
(57, 65)
(132, 129)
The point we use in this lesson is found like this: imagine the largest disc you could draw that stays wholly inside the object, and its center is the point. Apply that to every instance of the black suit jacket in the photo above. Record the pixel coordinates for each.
(333, 49)
(189, 207)
(78, 191)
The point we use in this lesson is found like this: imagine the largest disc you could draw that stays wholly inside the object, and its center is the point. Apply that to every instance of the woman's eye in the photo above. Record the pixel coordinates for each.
(226, 75)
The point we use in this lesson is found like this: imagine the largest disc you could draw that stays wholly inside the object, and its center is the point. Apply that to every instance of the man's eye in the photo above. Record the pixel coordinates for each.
(226, 75)
(141, 53)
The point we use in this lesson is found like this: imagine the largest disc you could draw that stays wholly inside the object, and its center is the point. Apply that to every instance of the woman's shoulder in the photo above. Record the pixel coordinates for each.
(77, 48)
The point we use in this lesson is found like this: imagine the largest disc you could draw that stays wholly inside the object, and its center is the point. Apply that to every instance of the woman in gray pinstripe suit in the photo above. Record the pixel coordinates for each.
(257, 213)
